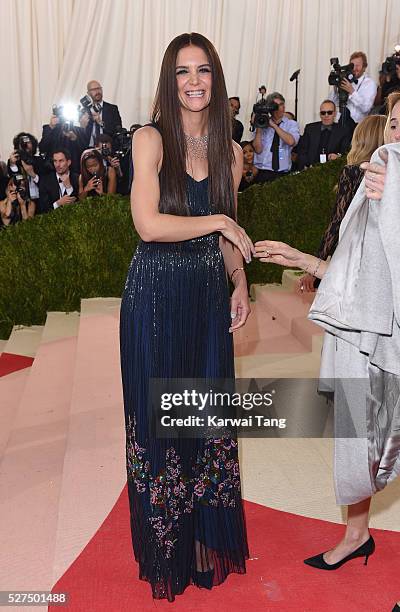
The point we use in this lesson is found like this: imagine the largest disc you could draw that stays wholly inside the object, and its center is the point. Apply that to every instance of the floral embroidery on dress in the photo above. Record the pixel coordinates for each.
(217, 473)
(172, 493)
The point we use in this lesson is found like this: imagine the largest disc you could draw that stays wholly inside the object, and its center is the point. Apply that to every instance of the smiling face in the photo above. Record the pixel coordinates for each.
(193, 78)
(394, 124)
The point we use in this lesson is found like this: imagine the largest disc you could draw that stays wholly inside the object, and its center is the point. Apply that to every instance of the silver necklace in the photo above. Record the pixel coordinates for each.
(197, 146)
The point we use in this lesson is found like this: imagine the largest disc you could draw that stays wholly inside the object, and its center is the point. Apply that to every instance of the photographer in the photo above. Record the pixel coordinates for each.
(62, 134)
(237, 126)
(117, 157)
(60, 188)
(96, 178)
(104, 144)
(361, 95)
(101, 117)
(273, 144)
(25, 161)
(389, 79)
(16, 206)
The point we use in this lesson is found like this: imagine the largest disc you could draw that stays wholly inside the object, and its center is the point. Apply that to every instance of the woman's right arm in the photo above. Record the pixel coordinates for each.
(270, 251)
(153, 226)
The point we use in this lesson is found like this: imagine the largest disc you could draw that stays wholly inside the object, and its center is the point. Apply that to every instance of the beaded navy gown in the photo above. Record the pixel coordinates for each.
(184, 494)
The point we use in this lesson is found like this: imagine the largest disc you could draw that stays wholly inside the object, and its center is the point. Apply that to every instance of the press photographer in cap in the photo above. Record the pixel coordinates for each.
(276, 135)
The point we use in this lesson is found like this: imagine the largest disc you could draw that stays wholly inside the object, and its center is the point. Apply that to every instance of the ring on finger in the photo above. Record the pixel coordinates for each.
(267, 253)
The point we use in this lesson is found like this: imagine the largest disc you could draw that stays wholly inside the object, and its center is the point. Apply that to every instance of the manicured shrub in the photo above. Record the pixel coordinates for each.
(84, 250)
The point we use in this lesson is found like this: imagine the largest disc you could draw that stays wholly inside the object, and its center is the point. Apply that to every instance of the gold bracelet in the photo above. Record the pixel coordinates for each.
(235, 270)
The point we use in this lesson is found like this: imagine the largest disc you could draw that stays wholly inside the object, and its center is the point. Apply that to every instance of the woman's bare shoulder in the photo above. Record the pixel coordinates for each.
(147, 141)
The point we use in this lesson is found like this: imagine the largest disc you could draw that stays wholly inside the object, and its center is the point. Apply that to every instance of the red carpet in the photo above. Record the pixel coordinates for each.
(11, 363)
(104, 576)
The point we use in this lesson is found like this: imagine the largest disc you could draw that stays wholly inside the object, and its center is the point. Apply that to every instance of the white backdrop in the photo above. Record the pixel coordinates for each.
(49, 49)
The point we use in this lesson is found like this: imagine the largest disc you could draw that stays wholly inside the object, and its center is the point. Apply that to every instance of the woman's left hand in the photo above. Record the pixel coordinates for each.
(271, 251)
(375, 175)
(240, 307)
(99, 188)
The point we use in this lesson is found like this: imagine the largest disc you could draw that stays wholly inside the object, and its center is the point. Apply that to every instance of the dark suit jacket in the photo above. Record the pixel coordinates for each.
(308, 147)
(54, 138)
(49, 191)
(237, 130)
(111, 119)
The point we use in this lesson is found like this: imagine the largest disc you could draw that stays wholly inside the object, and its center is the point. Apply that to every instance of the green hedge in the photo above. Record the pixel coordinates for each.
(82, 251)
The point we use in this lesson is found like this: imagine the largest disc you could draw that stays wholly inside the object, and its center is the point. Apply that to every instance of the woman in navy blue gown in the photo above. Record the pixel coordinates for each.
(177, 319)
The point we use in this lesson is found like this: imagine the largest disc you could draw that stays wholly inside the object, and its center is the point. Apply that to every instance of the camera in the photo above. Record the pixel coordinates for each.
(22, 150)
(58, 111)
(262, 111)
(66, 124)
(336, 76)
(338, 72)
(390, 63)
(121, 142)
(88, 104)
(20, 186)
(106, 151)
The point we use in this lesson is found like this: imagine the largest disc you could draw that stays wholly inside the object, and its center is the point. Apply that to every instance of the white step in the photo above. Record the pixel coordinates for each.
(94, 467)
(32, 465)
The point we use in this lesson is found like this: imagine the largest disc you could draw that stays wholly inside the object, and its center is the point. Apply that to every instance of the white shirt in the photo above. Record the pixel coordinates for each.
(361, 100)
(63, 190)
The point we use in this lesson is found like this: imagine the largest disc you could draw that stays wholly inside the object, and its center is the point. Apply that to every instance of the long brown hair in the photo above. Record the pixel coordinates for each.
(91, 154)
(167, 115)
(367, 137)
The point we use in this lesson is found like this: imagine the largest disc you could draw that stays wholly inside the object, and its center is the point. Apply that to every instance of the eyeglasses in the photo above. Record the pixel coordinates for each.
(326, 112)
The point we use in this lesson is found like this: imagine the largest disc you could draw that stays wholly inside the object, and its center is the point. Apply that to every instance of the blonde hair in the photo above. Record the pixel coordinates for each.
(391, 102)
(367, 137)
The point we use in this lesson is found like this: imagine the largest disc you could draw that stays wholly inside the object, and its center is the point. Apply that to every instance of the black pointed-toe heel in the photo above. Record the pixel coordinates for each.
(365, 550)
(204, 579)
(396, 608)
